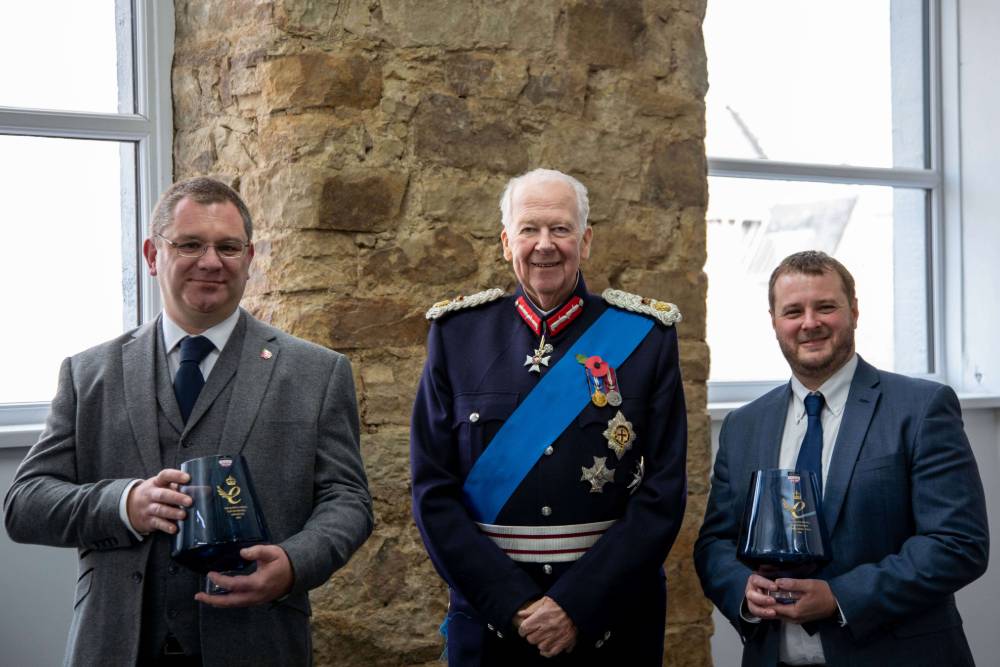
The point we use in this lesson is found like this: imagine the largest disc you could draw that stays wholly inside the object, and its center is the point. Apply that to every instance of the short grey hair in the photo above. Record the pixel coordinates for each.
(201, 190)
(542, 175)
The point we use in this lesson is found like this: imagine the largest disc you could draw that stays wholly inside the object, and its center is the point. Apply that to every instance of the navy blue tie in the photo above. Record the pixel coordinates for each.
(189, 380)
(811, 452)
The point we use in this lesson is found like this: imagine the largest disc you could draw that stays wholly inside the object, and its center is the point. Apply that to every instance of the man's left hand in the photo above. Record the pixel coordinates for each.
(272, 579)
(813, 600)
(548, 627)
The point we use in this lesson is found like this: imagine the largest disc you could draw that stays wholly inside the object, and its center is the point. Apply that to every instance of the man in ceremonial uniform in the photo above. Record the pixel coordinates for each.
(902, 499)
(203, 378)
(548, 449)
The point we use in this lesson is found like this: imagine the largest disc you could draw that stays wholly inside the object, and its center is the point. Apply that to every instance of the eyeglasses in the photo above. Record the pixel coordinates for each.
(194, 249)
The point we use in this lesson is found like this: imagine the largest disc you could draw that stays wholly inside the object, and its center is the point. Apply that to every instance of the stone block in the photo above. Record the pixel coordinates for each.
(430, 23)
(308, 80)
(677, 174)
(485, 75)
(604, 33)
(561, 86)
(439, 256)
(447, 131)
(302, 261)
(362, 202)
(467, 202)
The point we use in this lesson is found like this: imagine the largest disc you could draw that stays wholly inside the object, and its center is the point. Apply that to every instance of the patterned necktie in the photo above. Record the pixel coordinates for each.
(189, 380)
(811, 452)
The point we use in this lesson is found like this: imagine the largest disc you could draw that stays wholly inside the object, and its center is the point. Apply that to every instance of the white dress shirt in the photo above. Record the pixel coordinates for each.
(172, 336)
(796, 646)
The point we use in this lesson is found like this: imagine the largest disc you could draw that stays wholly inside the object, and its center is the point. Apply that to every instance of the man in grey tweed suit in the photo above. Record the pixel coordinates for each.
(103, 477)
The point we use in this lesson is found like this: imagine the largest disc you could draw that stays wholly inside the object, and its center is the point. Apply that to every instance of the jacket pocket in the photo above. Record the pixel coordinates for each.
(83, 585)
(477, 418)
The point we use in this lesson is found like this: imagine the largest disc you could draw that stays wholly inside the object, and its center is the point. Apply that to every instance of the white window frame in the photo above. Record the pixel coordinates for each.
(150, 128)
(940, 174)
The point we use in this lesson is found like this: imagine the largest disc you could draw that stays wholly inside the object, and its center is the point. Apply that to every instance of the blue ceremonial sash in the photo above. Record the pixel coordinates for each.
(546, 411)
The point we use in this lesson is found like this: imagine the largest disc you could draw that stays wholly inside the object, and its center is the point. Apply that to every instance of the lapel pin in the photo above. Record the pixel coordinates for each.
(265, 354)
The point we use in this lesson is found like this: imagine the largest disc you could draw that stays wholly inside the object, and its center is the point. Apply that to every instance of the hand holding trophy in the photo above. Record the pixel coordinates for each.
(782, 533)
(223, 518)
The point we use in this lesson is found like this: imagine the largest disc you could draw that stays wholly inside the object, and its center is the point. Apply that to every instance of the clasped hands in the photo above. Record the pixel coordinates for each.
(545, 625)
(813, 599)
(157, 504)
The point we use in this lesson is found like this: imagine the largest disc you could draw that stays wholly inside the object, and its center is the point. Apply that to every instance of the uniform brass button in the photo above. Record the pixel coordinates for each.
(474, 417)
(499, 634)
(549, 450)
(547, 569)
(546, 511)
(607, 635)
(489, 626)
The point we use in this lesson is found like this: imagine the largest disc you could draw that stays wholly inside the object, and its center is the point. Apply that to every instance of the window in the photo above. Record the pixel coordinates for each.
(85, 141)
(821, 134)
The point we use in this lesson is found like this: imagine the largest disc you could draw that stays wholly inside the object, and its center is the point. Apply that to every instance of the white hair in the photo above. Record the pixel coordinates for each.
(542, 175)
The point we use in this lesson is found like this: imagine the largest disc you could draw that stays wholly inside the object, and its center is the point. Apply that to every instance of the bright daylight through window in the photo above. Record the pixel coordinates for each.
(78, 131)
(817, 137)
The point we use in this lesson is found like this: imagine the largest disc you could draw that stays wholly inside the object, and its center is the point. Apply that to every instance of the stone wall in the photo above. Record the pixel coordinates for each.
(371, 139)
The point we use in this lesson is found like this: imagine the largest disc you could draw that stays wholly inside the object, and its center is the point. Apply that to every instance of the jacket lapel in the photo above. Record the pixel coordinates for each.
(772, 426)
(862, 398)
(257, 360)
(139, 379)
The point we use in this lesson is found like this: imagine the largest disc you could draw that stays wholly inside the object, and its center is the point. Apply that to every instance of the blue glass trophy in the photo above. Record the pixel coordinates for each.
(782, 533)
(224, 518)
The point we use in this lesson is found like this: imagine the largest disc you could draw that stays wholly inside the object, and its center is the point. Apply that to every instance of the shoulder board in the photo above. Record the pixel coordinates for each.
(459, 302)
(665, 313)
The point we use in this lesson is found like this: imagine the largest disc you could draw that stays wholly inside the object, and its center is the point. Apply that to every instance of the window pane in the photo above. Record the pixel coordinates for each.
(878, 233)
(819, 82)
(67, 55)
(65, 284)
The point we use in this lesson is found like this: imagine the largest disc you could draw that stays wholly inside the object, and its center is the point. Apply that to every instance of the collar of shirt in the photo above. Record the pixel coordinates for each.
(219, 335)
(834, 390)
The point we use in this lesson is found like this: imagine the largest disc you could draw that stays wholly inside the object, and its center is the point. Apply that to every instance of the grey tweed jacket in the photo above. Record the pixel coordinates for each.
(292, 414)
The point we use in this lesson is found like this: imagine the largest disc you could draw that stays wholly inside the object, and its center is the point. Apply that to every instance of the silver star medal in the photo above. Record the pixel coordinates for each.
(539, 358)
(640, 471)
(598, 475)
(620, 435)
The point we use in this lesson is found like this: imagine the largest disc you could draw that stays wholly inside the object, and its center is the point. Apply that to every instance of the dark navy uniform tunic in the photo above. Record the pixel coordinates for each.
(474, 378)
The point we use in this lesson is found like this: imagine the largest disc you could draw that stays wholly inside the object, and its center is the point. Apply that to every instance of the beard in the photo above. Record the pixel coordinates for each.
(819, 367)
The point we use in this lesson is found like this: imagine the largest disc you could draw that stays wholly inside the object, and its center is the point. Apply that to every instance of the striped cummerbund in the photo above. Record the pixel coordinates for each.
(546, 544)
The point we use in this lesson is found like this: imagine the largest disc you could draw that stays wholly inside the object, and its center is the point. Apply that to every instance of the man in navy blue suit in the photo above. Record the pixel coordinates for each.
(901, 496)
(548, 449)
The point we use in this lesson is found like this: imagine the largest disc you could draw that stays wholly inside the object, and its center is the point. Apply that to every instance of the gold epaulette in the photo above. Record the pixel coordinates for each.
(460, 302)
(665, 313)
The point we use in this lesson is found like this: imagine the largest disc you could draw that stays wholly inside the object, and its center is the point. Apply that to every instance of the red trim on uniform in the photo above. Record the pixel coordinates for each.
(528, 315)
(565, 315)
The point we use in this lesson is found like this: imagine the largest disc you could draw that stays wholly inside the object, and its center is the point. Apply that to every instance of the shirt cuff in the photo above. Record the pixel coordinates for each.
(123, 510)
(746, 615)
(840, 615)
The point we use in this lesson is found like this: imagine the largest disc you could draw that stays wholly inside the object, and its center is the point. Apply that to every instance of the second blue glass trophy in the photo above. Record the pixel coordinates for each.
(224, 518)
(782, 533)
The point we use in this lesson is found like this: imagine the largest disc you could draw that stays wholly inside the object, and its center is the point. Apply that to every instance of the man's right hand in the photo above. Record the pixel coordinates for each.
(152, 504)
(759, 602)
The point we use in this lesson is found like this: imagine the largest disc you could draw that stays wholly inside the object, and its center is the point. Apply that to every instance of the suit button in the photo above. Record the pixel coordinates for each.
(137, 577)
(549, 450)
(474, 417)
(547, 569)
(546, 511)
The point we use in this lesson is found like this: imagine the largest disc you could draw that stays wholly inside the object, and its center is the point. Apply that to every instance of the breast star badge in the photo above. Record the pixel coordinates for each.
(598, 475)
(620, 435)
(539, 357)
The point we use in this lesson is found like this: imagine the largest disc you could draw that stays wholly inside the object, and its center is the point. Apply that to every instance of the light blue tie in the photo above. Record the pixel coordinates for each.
(811, 452)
